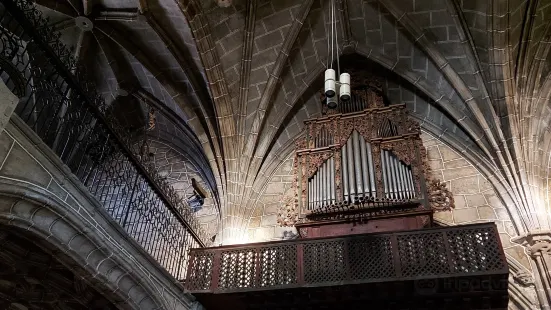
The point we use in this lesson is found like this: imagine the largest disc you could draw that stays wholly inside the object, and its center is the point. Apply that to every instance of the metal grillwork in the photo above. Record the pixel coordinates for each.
(73, 120)
(412, 255)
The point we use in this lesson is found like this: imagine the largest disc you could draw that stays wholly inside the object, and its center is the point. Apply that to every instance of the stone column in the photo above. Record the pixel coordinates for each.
(538, 247)
(8, 102)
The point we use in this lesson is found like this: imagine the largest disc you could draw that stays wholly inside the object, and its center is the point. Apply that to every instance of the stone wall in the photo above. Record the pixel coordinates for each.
(475, 199)
(179, 171)
(38, 193)
(263, 225)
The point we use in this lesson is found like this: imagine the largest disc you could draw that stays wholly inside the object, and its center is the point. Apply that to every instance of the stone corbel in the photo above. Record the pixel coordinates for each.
(524, 278)
(538, 247)
(537, 243)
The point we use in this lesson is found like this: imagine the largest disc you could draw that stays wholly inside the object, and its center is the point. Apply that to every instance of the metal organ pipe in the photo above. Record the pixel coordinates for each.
(389, 176)
(332, 179)
(357, 175)
(395, 167)
(351, 173)
(411, 184)
(344, 167)
(357, 164)
(403, 182)
(385, 180)
(321, 187)
(392, 175)
(318, 189)
(325, 184)
(371, 170)
(397, 177)
(365, 168)
(406, 182)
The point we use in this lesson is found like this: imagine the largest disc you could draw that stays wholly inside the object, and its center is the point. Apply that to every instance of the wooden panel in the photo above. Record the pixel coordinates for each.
(370, 226)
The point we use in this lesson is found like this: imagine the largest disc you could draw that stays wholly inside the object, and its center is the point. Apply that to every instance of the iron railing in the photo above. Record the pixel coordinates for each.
(469, 250)
(58, 103)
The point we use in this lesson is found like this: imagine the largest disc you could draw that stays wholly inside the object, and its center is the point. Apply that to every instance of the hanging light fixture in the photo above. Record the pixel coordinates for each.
(342, 86)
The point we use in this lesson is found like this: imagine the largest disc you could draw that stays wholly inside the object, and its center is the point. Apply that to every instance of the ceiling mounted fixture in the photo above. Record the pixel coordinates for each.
(331, 85)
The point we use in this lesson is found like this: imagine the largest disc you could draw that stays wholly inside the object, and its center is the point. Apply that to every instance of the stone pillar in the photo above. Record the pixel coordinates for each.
(538, 246)
(8, 102)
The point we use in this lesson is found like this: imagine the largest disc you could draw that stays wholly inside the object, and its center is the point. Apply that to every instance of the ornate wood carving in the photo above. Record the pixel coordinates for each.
(288, 212)
(439, 196)
(315, 160)
(337, 155)
(402, 149)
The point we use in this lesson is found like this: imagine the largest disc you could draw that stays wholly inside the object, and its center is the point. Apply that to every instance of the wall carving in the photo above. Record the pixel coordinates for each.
(440, 197)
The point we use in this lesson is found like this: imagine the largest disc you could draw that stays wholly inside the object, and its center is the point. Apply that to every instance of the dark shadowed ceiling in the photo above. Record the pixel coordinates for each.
(234, 80)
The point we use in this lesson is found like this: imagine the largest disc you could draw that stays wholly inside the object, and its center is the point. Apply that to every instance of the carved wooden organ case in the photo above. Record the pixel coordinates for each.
(361, 163)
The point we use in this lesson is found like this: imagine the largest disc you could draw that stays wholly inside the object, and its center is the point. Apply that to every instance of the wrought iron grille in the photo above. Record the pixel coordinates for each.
(73, 120)
(400, 256)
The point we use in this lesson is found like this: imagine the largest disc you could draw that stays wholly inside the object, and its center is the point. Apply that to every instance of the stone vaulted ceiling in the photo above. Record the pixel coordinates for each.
(235, 80)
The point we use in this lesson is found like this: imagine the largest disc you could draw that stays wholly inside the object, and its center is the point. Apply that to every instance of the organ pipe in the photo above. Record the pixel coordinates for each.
(358, 174)
(397, 177)
(365, 169)
(371, 170)
(390, 178)
(357, 164)
(411, 184)
(332, 179)
(344, 167)
(351, 174)
(385, 180)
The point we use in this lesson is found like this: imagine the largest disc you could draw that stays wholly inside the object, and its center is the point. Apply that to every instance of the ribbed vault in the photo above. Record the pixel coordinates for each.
(240, 79)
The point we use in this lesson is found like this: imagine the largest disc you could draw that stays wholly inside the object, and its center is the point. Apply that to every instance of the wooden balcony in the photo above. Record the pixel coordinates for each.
(459, 267)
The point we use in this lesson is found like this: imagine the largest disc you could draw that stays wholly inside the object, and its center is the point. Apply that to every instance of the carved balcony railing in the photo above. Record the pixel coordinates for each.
(470, 250)
(58, 103)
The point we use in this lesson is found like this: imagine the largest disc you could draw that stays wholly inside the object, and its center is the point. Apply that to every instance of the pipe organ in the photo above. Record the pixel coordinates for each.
(397, 177)
(362, 161)
(358, 174)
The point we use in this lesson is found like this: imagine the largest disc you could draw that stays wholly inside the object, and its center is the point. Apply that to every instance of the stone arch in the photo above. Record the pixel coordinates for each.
(77, 242)
(32, 277)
